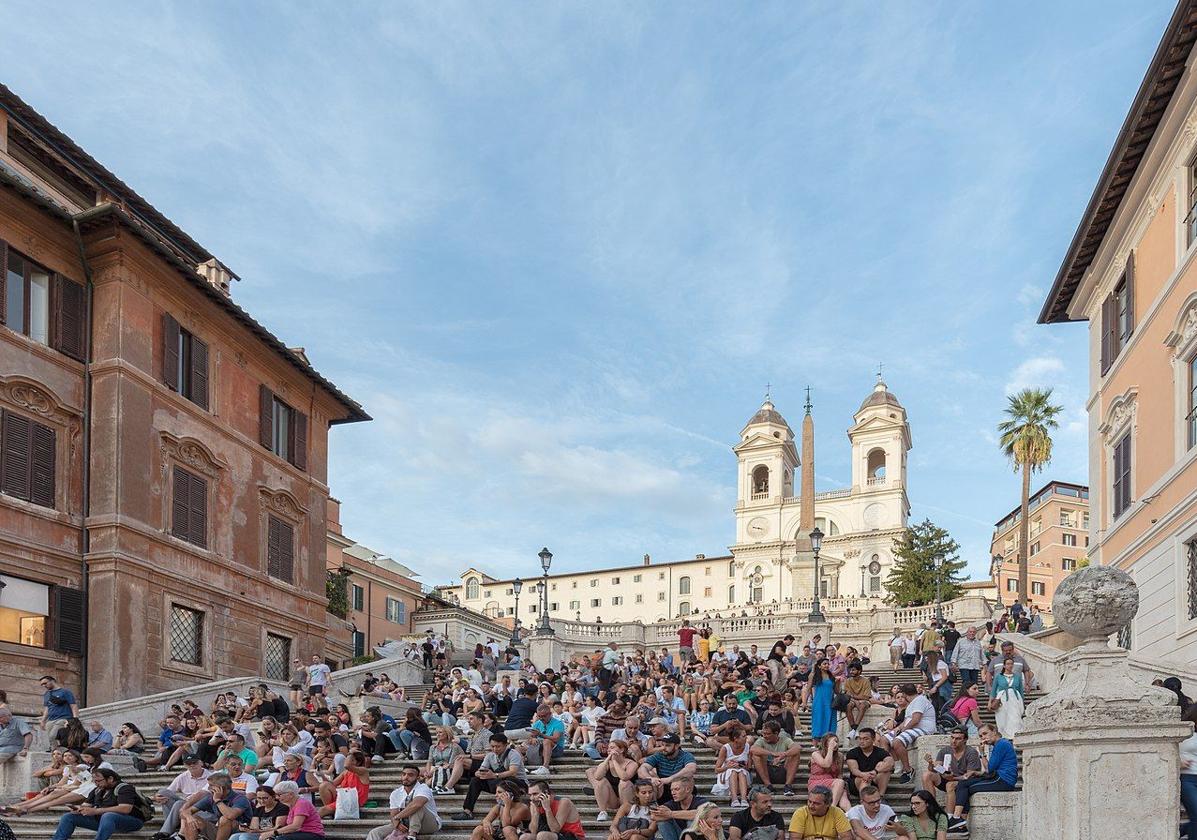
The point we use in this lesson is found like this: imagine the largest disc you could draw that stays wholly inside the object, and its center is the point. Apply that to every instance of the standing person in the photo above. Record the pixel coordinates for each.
(967, 658)
(319, 676)
(860, 696)
(910, 650)
(299, 676)
(897, 646)
(58, 705)
(819, 692)
(870, 819)
(1001, 775)
(302, 820)
(776, 659)
(1006, 696)
(112, 807)
(1188, 773)
(552, 817)
(427, 648)
(950, 637)
(758, 821)
(938, 678)
(413, 808)
(685, 642)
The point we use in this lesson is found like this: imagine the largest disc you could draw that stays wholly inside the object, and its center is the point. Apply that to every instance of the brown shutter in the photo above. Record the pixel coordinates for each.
(272, 546)
(199, 373)
(299, 439)
(42, 466)
(1129, 279)
(3, 280)
(170, 351)
(68, 620)
(70, 302)
(265, 417)
(1107, 333)
(286, 546)
(14, 455)
(180, 506)
(199, 511)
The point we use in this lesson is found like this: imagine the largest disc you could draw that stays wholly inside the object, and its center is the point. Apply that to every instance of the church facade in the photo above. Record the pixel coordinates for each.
(771, 559)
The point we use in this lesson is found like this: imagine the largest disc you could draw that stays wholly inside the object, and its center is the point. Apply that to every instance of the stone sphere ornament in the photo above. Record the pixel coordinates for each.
(1093, 602)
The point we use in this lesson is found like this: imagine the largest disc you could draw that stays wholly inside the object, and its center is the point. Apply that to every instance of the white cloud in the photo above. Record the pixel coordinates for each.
(1036, 372)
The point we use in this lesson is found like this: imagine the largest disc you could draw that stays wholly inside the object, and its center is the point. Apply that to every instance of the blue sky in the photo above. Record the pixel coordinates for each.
(557, 250)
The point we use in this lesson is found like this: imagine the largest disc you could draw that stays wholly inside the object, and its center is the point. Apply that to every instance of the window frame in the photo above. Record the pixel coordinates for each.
(357, 598)
(1121, 493)
(200, 632)
(37, 471)
(683, 585)
(281, 557)
(198, 488)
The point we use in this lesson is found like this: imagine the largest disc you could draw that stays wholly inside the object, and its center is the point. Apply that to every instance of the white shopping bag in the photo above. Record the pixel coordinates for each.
(346, 804)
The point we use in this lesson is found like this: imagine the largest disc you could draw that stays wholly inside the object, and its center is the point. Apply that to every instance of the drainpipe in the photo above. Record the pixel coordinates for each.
(84, 538)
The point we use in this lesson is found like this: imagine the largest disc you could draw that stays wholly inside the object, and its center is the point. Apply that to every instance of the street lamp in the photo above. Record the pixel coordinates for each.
(863, 568)
(816, 542)
(516, 586)
(995, 572)
(938, 578)
(546, 560)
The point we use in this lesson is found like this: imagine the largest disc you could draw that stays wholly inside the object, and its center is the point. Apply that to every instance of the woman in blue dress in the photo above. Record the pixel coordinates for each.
(819, 691)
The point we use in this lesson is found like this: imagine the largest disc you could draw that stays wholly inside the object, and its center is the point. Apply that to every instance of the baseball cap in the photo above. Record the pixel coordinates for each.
(671, 738)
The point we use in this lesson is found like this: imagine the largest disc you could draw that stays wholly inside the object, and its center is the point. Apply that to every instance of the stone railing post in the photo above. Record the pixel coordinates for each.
(1100, 755)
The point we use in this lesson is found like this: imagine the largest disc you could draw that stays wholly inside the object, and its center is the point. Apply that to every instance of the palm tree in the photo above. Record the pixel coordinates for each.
(1026, 439)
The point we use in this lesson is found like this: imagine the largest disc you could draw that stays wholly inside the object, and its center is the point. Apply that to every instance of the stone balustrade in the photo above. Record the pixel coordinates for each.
(464, 628)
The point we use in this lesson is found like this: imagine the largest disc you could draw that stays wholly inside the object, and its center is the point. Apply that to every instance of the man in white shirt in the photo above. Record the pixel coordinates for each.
(185, 790)
(910, 651)
(919, 720)
(494, 648)
(413, 806)
(870, 818)
(319, 676)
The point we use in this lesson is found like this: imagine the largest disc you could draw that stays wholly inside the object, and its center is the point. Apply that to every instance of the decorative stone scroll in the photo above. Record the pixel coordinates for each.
(190, 453)
(1120, 414)
(30, 396)
(282, 503)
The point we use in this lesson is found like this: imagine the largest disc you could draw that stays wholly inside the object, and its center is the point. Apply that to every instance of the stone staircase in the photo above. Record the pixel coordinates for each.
(568, 779)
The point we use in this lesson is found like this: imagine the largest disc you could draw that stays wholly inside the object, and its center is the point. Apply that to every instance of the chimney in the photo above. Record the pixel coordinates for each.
(217, 274)
(647, 559)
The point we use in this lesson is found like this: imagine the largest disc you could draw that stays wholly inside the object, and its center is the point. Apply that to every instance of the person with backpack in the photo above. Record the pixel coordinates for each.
(113, 807)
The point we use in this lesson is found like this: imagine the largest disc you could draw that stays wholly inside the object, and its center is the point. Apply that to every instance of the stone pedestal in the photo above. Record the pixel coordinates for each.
(546, 651)
(1100, 755)
(809, 629)
(16, 775)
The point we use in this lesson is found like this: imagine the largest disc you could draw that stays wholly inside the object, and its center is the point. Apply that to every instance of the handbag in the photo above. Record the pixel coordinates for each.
(347, 804)
(839, 702)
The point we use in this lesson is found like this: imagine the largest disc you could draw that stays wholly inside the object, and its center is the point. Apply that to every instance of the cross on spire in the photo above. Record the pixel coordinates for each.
(879, 367)
(768, 392)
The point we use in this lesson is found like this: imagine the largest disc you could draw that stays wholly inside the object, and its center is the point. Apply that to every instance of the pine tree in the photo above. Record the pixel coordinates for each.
(912, 578)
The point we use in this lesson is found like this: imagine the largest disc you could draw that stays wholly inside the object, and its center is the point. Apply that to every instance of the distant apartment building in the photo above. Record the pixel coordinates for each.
(1131, 273)
(163, 456)
(381, 593)
(1059, 530)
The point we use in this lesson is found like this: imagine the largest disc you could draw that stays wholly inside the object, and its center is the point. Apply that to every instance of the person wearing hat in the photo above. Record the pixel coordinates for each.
(185, 790)
(671, 763)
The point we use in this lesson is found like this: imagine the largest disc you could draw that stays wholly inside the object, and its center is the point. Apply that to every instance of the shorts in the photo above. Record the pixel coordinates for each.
(316, 691)
(907, 737)
(686, 652)
(296, 686)
(777, 774)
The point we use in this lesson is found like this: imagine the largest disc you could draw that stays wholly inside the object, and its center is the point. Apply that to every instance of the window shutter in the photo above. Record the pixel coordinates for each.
(170, 351)
(1129, 279)
(265, 417)
(199, 511)
(70, 303)
(14, 455)
(42, 469)
(299, 439)
(1107, 333)
(280, 550)
(199, 373)
(3, 280)
(69, 608)
(180, 505)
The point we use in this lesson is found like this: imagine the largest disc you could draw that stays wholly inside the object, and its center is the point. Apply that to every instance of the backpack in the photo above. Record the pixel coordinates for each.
(945, 722)
(142, 808)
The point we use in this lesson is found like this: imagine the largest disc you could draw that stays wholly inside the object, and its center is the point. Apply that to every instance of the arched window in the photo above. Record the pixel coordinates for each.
(731, 569)
(684, 607)
(471, 588)
(683, 586)
(491, 610)
(731, 594)
(827, 526)
(760, 482)
(876, 466)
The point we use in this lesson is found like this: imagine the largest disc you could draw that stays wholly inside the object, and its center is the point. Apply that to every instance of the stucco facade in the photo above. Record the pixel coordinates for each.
(770, 559)
(182, 544)
(1131, 272)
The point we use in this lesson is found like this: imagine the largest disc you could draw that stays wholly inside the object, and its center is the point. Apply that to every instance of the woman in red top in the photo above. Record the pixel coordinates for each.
(552, 818)
(356, 777)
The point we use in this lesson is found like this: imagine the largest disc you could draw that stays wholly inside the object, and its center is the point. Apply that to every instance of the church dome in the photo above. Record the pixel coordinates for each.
(768, 414)
(881, 396)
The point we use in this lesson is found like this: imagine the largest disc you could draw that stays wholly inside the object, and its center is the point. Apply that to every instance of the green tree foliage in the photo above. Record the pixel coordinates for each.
(912, 578)
(336, 588)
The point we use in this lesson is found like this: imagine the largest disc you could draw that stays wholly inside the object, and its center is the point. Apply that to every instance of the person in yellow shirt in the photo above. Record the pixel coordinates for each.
(703, 652)
(819, 819)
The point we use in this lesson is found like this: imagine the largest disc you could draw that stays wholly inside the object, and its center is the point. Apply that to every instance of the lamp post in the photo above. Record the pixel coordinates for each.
(995, 572)
(516, 586)
(546, 559)
(816, 542)
(863, 568)
(938, 578)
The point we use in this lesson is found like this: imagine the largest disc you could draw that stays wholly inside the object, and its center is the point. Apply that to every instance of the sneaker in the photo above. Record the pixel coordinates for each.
(903, 779)
(140, 764)
(603, 816)
(463, 815)
(788, 790)
(957, 825)
(851, 734)
(539, 771)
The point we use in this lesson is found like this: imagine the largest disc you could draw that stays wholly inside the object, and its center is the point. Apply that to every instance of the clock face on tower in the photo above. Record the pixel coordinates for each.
(758, 527)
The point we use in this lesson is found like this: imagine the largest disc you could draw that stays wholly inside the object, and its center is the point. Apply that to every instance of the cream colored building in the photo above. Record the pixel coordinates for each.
(770, 560)
(1131, 272)
(1059, 531)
